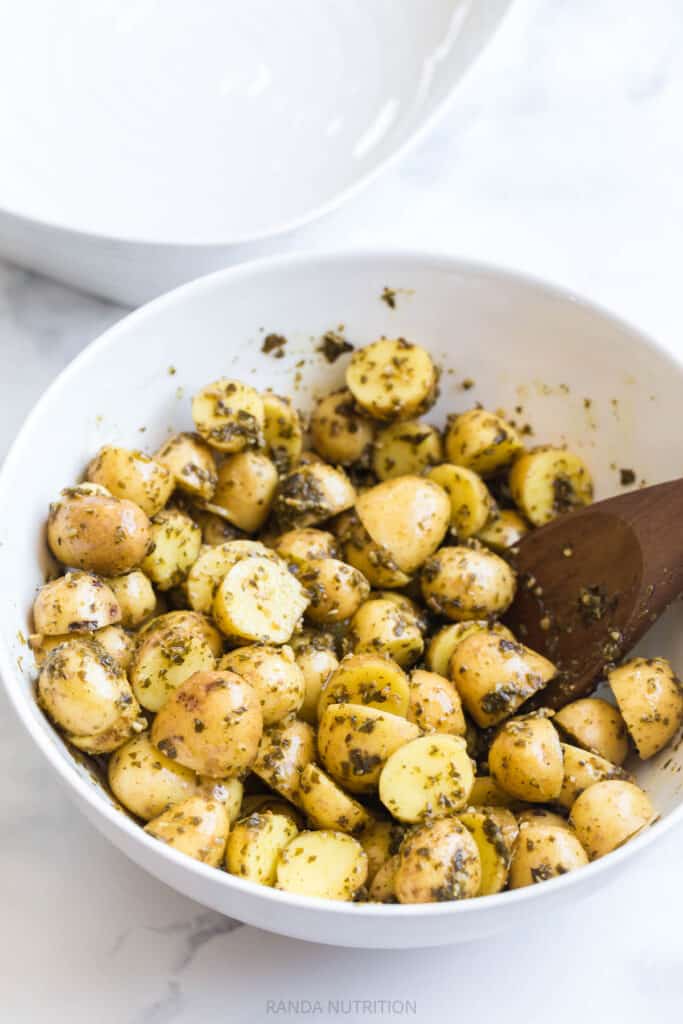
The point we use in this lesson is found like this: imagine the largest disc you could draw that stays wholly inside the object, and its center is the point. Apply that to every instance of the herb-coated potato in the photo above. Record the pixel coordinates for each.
(212, 566)
(495, 851)
(608, 814)
(255, 844)
(471, 503)
(190, 622)
(274, 674)
(116, 642)
(229, 415)
(216, 530)
(317, 660)
(407, 606)
(392, 379)
(97, 532)
(487, 793)
(406, 448)
(381, 839)
(212, 724)
(259, 803)
(595, 725)
(190, 462)
(426, 778)
(442, 645)
(229, 792)
(354, 741)
(438, 862)
(86, 693)
(581, 770)
(547, 482)
(541, 815)
(465, 583)
(650, 699)
(381, 625)
(298, 546)
(145, 781)
(525, 759)
(494, 676)
(505, 529)
(259, 601)
(327, 864)
(369, 679)
(327, 805)
(311, 494)
(383, 883)
(376, 563)
(282, 431)
(197, 827)
(434, 704)
(544, 851)
(177, 543)
(164, 659)
(135, 595)
(407, 516)
(338, 434)
(335, 590)
(245, 489)
(284, 751)
(74, 603)
(481, 441)
(133, 475)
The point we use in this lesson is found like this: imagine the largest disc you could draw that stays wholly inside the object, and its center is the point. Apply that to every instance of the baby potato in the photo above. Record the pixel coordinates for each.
(383, 883)
(369, 679)
(190, 462)
(495, 849)
(260, 803)
(406, 605)
(650, 699)
(255, 845)
(438, 862)
(487, 793)
(145, 781)
(116, 642)
(228, 792)
(426, 778)
(97, 532)
(212, 723)
(229, 415)
(595, 725)
(245, 489)
(317, 660)
(282, 431)
(544, 851)
(259, 601)
(164, 659)
(133, 475)
(525, 759)
(338, 434)
(196, 827)
(442, 645)
(392, 379)
(284, 751)
(335, 590)
(216, 530)
(327, 805)
(297, 546)
(75, 603)
(85, 692)
(541, 815)
(177, 543)
(494, 676)
(608, 814)
(547, 481)
(505, 529)
(136, 598)
(375, 562)
(434, 704)
(466, 583)
(581, 770)
(471, 503)
(407, 516)
(381, 839)
(311, 494)
(190, 622)
(354, 741)
(212, 566)
(327, 864)
(273, 673)
(406, 449)
(481, 441)
(380, 625)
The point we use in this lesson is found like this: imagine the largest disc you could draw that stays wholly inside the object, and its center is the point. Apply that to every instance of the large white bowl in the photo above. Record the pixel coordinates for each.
(523, 343)
(146, 143)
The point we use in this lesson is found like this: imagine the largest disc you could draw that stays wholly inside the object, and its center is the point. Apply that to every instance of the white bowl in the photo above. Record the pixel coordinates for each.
(147, 143)
(522, 342)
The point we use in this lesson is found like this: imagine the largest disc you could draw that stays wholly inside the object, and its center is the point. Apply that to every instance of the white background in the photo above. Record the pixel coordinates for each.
(562, 155)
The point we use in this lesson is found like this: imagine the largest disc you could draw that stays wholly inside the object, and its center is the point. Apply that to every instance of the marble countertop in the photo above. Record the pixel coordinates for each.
(563, 156)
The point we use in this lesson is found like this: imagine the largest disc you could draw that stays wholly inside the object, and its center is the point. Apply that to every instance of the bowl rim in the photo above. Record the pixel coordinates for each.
(293, 223)
(14, 683)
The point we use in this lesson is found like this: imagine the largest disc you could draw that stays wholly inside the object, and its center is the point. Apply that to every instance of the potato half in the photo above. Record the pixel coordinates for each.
(471, 503)
(229, 415)
(547, 482)
(97, 532)
(259, 601)
(369, 679)
(465, 583)
(354, 741)
(145, 781)
(438, 862)
(525, 759)
(595, 725)
(255, 846)
(132, 474)
(75, 603)
(544, 851)
(650, 699)
(405, 449)
(327, 864)
(608, 814)
(327, 805)
(426, 778)
(197, 827)
(407, 516)
(392, 379)
(191, 463)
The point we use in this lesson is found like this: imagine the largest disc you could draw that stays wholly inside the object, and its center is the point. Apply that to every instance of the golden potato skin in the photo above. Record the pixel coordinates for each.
(190, 622)
(338, 433)
(465, 583)
(177, 542)
(164, 659)
(297, 546)
(255, 845)
(487, 793)
(274, 674)
(434, 704)
(98, 532)
(406, 448)
(375, 562)
(407, 516)
(381, 839)
(544, 851)
(328, 864)
(438, 862)
(135, 595)
(317, 661)
(442, 645)
(212, 724)
(354, 741)
(595, 725)
(505, 529)
(581, 770)
(197, 827)
(650, 699)
(369, 679)
(547, 482)
(327, 805)
(75, 603)
(472, 506)
(481, 441)
(229, 415)
(335, 590)
(245, 489)
(282, 431)
(381, 625)
(145, 781)
(392, 379)
(525, 759)
(283, 753)
(191, 463)
(608, 814)
(131, 474)
(311, 494)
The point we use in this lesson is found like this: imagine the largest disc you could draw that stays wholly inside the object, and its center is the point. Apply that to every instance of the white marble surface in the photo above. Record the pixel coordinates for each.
(563, 155)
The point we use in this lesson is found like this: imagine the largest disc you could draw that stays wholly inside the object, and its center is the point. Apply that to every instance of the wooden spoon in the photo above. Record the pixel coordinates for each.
(592, 582)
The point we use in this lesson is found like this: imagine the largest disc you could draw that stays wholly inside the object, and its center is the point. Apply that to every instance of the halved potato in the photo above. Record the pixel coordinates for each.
(380, 625)
(335, 590)
(650, 699)
(392, 379)
(495, 851)
(581, 770)
(383, 883)
(327, 805)
(311, 494)
(375, 562)
(442, 645)
(191, 463)
(525, 759)
(338, 433)
(229, 415)
(505, 529)
(481, 441)
(487, 793)
(274, 674)
(438, 862)
(544, 851)
(255, 845)
(369, 679)
(426, 778)
(197, 827)
(135, 595)
(434, 704)
(327, 864)
(133, 475)
(317, 661)
(164, 659)
(145, 781)
(245, 489)
(282, 431)
(212, 566)
(259, 601)
(259, 803)
(541, 815)
(114, 639)
(191, 622)
(406, 448)
(407, 516)
(297, 546)
(547, 482)
(354, 741)
(608, 814)
(471, 503)
(75, 603)
(595, 725)
(284, 751)
(228, 792)
(381, 839)
(177, 541)
(464, 583)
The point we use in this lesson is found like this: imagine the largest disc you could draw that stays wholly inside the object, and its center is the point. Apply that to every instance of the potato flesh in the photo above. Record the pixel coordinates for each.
(259, 600)
(595, 725)
(212, 566)
(229, 415)
(191, 463)
(481, 441)
(326, 864)
(196, 827)
(392, 379)
(427, 778)
(495, 853)
(471, 504)
(650, 699)
(177, 543)
(406, 448)
(368, 679)
(255, 846)
(354, 742)
(443, 643)
(164, 660)
(548, 482)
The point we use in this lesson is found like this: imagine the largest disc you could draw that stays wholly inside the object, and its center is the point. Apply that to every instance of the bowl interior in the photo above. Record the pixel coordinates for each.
(573, 373)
